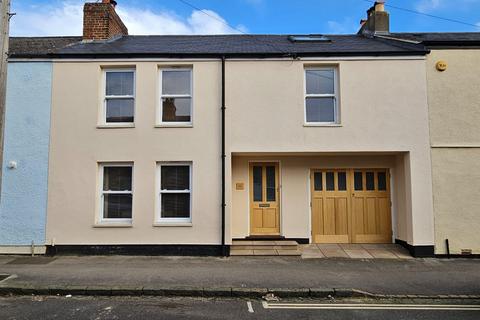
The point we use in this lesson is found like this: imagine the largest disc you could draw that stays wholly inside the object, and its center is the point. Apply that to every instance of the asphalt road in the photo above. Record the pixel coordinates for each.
(99, 308)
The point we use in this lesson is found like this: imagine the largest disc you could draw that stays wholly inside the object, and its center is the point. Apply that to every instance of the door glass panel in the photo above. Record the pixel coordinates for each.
(342, 181)
(257, 183)
(382, 181)
(271, 183)
(317, 181)
(330, 181)
(358, 180)
(370, 179)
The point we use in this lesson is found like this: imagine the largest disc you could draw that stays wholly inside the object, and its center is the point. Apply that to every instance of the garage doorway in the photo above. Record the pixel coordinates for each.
(351, 206)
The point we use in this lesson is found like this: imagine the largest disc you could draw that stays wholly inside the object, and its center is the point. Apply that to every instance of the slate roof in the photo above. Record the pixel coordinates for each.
(432, 39)
(211, 45)
(39, 46)
(237, 45)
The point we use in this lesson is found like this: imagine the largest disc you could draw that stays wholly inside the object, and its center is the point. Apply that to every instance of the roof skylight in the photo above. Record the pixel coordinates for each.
(309, 38)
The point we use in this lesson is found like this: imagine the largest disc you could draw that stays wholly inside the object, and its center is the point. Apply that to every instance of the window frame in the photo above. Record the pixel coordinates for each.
(100, 194)
(159, 117)
(105, 97)
(159, 220)
(336, 112)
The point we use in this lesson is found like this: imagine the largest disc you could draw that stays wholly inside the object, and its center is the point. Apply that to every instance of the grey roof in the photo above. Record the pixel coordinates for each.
(211, 45)
(39, 46)
(441, 38)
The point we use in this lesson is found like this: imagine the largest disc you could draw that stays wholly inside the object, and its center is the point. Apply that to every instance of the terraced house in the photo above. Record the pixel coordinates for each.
(187, 144)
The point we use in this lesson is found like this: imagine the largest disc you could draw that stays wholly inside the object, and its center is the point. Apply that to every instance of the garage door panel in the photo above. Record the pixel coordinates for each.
(383, 215)
(341, 216)
(329, 216)
(358, 215)
(370, 216)
(317, 218)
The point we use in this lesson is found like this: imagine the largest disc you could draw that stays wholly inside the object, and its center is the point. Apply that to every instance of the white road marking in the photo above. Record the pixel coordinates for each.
(250, 307)
(330, 306)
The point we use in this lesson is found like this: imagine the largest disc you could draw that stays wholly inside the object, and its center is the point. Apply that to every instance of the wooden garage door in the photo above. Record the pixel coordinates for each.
(371, 207)
(330, 206)
(351, 206)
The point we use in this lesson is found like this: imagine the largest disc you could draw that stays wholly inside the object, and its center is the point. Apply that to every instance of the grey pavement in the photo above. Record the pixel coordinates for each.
(44, 308)
(379, 276)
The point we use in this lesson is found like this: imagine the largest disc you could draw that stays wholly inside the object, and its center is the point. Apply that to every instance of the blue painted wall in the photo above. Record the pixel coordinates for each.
(23, 202)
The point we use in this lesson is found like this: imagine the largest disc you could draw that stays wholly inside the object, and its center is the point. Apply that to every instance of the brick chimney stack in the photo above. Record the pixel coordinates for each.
(378, 20)
(101, 22)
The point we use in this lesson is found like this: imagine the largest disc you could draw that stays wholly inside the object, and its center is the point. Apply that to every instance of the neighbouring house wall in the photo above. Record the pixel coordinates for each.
(383, 108)
(77, 145)
(27, 131)
(454, 97)
(295, 188)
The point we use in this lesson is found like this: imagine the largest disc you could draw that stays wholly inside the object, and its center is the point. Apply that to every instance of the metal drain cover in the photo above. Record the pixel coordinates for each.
(32, 260)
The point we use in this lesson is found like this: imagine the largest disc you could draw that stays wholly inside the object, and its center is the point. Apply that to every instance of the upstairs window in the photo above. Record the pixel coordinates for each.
(175, 97)
(321, 100)
(119, 104)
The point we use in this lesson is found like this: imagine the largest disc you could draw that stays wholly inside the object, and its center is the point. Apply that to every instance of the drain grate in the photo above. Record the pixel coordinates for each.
(4, 276)
(32, 260)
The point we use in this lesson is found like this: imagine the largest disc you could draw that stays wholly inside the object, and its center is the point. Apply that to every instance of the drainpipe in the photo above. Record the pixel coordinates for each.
(224, 247)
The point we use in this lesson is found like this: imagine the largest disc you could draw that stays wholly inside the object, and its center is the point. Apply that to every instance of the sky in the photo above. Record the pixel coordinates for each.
(64, 17)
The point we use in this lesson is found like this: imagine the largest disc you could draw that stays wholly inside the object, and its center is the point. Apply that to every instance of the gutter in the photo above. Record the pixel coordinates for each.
(398, 53)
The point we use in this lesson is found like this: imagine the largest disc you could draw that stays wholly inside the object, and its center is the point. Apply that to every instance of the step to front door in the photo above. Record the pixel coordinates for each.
(264, 248)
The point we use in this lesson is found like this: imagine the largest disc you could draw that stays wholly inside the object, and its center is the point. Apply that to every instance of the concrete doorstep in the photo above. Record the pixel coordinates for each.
(26, 289)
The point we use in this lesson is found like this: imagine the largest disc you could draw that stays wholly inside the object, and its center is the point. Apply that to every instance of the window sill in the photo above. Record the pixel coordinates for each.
(173, 224)
(115, 126)
(177, 125)
(113, 225)
(334, 125)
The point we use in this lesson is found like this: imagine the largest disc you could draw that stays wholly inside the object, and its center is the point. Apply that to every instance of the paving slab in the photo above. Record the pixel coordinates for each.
(288, 252)
(334, 253)
(322, 246)
(358, 254)
(382, 254)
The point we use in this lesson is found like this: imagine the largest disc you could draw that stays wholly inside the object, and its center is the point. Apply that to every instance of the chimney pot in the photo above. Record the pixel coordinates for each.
(112, 2)
(379, 6)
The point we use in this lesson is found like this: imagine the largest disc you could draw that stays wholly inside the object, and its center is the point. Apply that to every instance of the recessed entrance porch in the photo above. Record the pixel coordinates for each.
(321, 197)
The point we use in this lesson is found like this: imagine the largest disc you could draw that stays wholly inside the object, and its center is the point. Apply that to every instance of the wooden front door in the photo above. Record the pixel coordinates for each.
(351, 206)
(264, 199)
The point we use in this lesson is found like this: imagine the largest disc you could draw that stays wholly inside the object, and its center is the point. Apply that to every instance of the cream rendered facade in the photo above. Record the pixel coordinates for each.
(455, 138)
(78, 145)
(383, 124)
